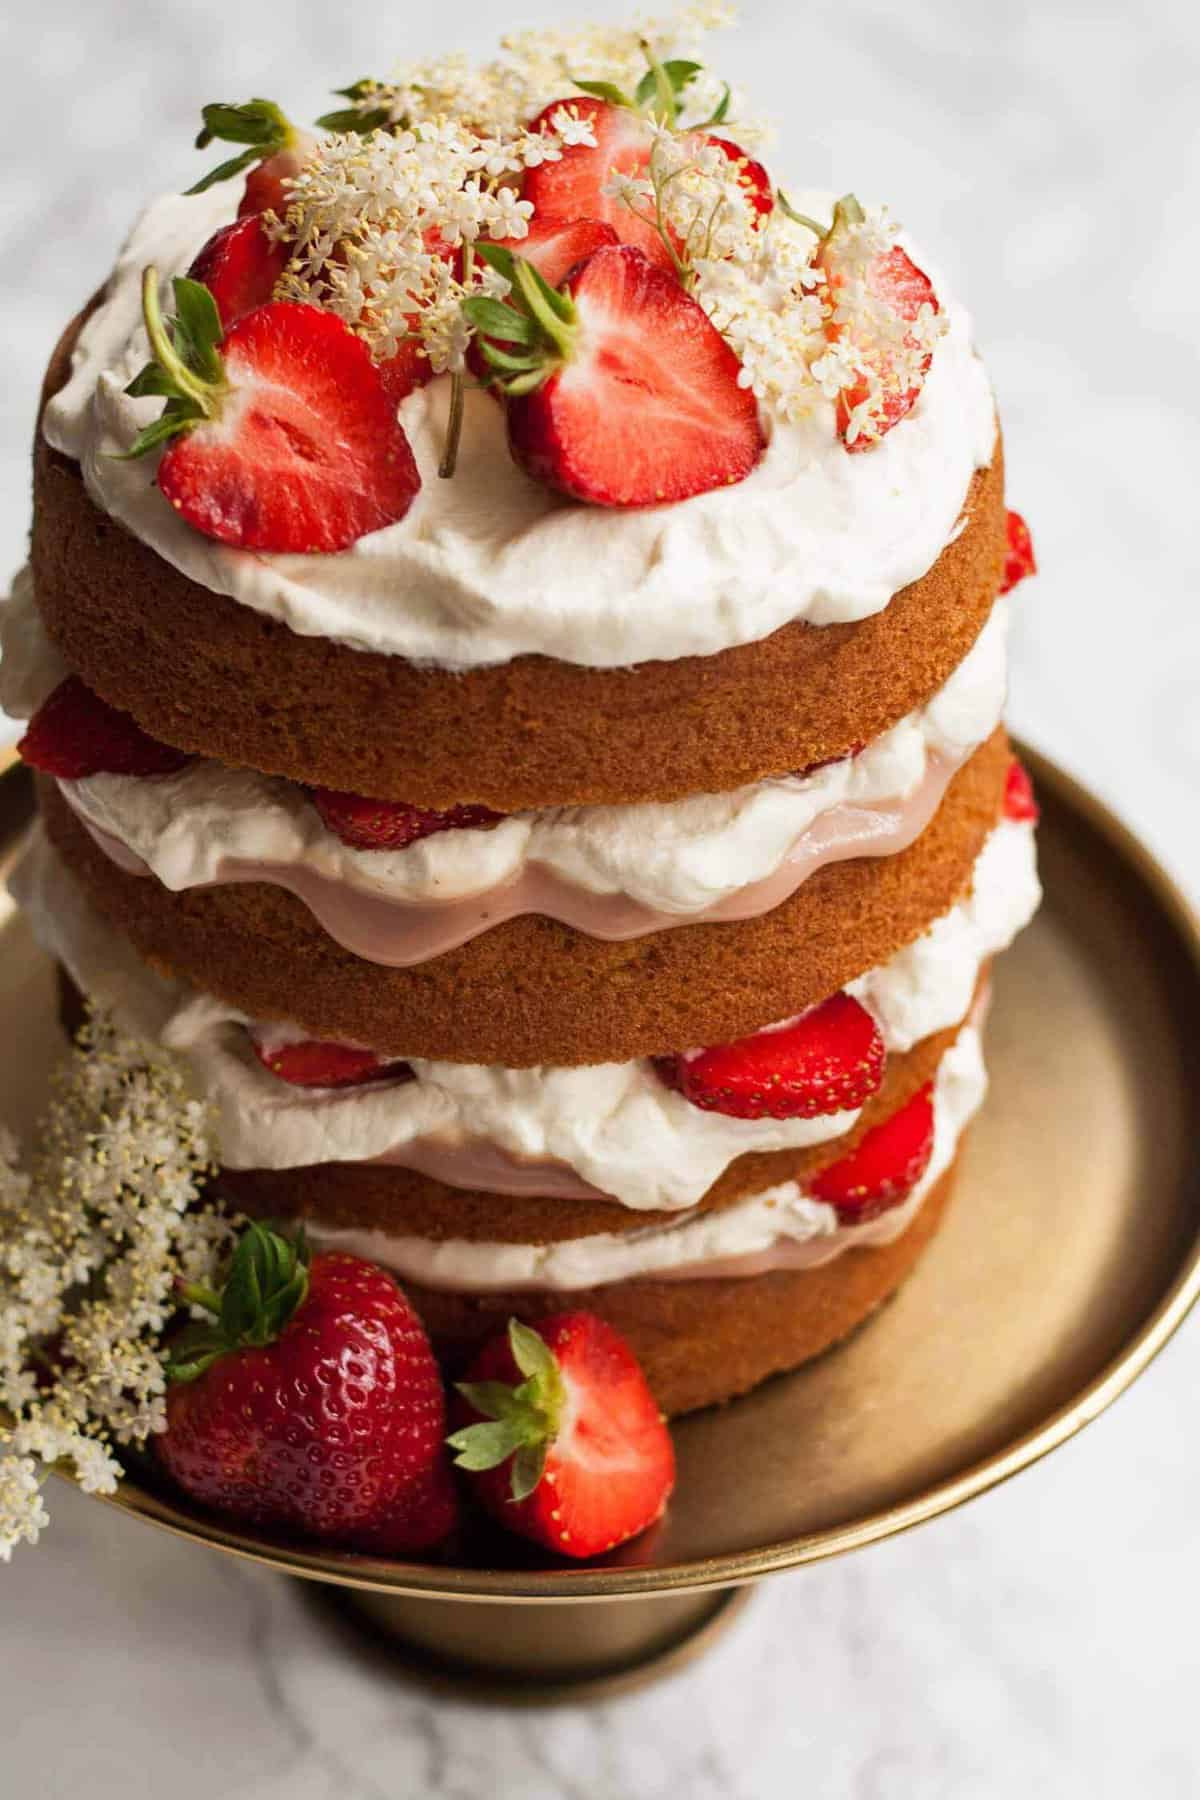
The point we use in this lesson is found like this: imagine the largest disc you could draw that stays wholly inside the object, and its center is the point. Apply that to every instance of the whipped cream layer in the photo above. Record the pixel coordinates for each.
(491, 564)
(611, 871)
(609, 1130)
(781, 1228)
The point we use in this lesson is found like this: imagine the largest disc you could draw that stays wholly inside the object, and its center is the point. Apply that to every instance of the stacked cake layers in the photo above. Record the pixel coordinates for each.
(706, 768)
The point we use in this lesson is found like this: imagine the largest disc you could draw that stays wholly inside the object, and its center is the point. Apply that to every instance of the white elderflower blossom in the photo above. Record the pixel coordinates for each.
(23, 1517)
(382, 226)
(93, 1236)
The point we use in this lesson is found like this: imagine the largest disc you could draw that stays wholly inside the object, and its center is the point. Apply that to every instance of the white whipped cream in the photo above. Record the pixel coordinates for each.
(736, 854)
(30, 665)
(614, 1127)
(781, 1228)
(491, 564)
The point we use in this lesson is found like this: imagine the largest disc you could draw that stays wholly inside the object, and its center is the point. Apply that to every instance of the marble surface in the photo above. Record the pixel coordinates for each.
(1041, 1636)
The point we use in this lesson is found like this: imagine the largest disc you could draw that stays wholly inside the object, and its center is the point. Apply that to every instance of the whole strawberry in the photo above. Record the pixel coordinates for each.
(562, 1437)
(312, 1401)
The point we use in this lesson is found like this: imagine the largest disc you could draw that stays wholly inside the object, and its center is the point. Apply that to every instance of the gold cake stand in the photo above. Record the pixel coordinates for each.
(1070, 1255)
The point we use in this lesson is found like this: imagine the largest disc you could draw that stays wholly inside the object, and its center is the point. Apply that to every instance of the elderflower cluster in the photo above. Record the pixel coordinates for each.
(382, 224)
(534, 69)
(93, 1236)
(381, 227)
(876, 353)
(801, 326)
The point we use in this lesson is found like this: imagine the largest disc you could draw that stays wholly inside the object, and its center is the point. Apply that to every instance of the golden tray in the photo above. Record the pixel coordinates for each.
(1069, 1256)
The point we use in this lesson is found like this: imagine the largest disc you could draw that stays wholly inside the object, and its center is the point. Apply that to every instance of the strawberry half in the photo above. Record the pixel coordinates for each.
(274, 151)
(316, 1063)
(239, 266)
(1019, 559)
(753, 176)
(894, 281)
(74, 733)
(562, 1438)
(281, 435)
(621, 391)
(554, 246)
(573, 188)
(828, 1060)
(367, 824)
(311, 1399)
(1020, 802)
(886, 1166)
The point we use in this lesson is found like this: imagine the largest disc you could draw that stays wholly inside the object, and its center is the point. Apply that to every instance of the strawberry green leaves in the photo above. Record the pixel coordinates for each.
(258, 124)
(186, 368)
(267, 1282)
(658, 93)
(521, 1422)
(526, 337)
(356, 116)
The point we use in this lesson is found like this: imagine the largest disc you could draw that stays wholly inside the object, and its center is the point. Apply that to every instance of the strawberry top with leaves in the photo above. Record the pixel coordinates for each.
(274, 151)
(562, 1438)
(309, 1399)
(621, 392)
(280, 433)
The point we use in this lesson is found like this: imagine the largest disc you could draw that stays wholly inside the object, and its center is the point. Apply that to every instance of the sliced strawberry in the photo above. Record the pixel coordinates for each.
(554, 246)
(75, 733)
(754, 177)
(311, 1062)
(573, 188)
(828, 1060)
(239, 266)
(643, 405)
(1020, 802)
(886, 1166)
(367, 824)
(301, 451)
(562, 1438)
(1019, 560)
(265, 185)
(903, 289)
(407, 370)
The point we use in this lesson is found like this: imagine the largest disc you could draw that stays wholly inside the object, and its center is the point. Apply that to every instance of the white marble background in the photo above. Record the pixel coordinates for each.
(1044, 1635)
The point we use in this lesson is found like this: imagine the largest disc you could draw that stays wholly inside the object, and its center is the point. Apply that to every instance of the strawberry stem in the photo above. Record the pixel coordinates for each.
(665, 107)
(194, 1293)
(267, 1283)
(165, 353)
(798, 218)
(454, 420)
(540, 299)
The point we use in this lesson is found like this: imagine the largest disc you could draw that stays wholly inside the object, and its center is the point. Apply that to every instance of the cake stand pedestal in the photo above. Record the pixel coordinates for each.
(1069, 1255)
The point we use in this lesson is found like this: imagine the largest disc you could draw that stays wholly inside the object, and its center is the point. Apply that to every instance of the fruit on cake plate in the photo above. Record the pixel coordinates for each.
(514, 654)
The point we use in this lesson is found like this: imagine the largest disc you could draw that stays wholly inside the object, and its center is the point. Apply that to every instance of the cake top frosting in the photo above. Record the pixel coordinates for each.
(722, 408)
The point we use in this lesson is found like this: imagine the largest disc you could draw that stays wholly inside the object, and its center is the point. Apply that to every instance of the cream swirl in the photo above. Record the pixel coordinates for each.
(611, 1129)
(492, 565)
(611, 871)
(782, 1227)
